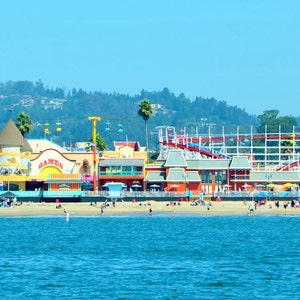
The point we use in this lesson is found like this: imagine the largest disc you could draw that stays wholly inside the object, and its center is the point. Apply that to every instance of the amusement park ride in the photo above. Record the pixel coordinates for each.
(278, 151)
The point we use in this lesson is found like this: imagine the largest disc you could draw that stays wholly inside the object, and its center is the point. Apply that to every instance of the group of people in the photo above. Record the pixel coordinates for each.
(293, 203)
(10, 202)
(201, 202)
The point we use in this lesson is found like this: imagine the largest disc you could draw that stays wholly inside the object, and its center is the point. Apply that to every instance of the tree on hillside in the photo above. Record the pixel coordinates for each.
(24, 123)
(270, 119)
(145, 111)
(100, 144)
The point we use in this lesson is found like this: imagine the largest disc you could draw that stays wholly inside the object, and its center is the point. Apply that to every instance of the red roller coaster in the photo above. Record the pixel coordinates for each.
(270, 151)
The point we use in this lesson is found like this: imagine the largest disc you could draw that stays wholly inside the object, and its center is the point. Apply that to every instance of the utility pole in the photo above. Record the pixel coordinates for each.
(94, 120)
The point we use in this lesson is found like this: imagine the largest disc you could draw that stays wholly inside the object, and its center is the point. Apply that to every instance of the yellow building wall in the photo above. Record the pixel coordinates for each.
(111, 154)
(50, 170)
(126, 152)
(79, 157)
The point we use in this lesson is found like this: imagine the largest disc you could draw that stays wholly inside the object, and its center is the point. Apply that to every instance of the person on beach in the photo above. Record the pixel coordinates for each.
(251, 209)
(208, 205)
(293, 203)
(101, 209)
(150, 212)
(14, 201)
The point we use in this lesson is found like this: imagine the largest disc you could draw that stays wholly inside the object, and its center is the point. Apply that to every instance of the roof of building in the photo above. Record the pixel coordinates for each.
(175, 159)
(26, 146)
(10, 136)
(179, 175)
(39, 145)
(209, 164)
(134, 145)
(276, 176)
(240, 163)
(176, 174)
(156, 176)
(192, 176)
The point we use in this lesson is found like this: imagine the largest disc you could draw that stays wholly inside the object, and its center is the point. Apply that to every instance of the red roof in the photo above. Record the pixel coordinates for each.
(134, 145)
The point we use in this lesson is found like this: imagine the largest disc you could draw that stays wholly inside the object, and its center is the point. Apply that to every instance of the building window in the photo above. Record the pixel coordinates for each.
(115, 169)
(220, 177)
(206, 177)
(126, 168)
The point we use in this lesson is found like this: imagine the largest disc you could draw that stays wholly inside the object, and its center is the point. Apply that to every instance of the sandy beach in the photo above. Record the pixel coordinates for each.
(142, 208)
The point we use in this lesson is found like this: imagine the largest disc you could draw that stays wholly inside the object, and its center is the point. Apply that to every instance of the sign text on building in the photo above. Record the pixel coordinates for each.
(50, 161)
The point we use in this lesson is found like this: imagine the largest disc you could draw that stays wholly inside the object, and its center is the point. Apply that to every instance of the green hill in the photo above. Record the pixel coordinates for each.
(69, 110)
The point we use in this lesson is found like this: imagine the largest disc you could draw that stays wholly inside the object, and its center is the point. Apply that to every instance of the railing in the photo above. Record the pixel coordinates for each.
(266, 194)
(39, 193)
(147, 194)
(121, 173)
(240, 177)
(137, 194)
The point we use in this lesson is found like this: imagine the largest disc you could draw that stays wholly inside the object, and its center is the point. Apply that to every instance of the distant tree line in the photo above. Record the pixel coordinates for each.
(120, 119)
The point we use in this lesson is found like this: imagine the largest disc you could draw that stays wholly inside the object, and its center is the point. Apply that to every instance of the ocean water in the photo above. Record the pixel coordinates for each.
(158, 257)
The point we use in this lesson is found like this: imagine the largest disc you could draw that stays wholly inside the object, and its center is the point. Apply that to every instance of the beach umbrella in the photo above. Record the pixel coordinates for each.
(270, 185)
(288, 184)
(174, 186)
(246, 185)
(136, 186)
(226, 186)
(8, 194)
(154, 186)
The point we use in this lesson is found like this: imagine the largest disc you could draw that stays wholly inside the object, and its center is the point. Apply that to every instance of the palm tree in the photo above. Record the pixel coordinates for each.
(145, 111)
(24, 123)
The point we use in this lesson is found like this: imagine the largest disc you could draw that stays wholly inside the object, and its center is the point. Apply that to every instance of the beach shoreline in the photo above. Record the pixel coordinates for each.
(143, 208)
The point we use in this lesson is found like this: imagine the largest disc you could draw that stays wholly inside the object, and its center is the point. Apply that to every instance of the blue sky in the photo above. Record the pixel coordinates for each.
(243, 52)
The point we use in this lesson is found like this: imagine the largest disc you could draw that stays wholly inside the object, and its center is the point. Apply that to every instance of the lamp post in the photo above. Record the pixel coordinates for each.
(94, 120)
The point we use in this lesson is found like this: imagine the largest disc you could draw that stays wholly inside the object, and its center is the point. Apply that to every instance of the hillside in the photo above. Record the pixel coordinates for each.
(69, 110)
